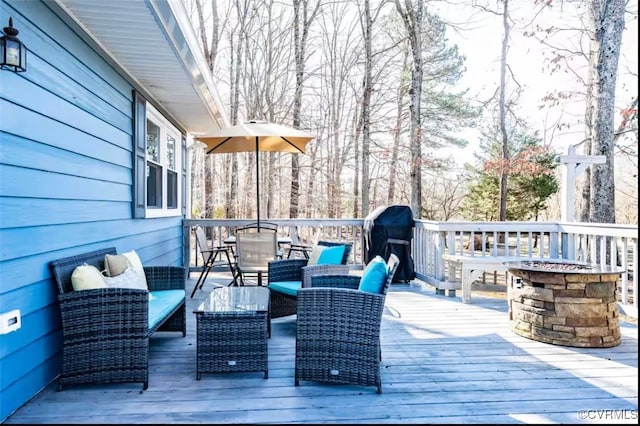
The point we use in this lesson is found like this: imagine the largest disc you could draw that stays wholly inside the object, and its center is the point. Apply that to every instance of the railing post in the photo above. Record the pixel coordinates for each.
(186, 246)
(439, 250)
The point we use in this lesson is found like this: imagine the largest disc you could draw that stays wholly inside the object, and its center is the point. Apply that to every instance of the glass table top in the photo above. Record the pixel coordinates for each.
(236, 299)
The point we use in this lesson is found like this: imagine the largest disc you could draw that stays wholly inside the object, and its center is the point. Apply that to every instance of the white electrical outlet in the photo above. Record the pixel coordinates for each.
(9, 321)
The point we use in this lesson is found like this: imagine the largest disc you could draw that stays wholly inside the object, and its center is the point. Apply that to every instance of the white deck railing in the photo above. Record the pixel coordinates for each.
(588, 242)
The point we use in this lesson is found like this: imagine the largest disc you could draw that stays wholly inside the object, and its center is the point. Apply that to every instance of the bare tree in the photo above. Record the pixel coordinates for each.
(368, 18)
(210, 52)
(607, 18)
(411, 14)
(504, 174)
(445, 193)
(303, 17)
(366, 23)
(237, 43)
(397, 130)
(351, 88)
(337, 97)
(595, 43)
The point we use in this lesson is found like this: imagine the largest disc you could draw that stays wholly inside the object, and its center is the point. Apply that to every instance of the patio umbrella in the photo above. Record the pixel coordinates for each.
(256, 136)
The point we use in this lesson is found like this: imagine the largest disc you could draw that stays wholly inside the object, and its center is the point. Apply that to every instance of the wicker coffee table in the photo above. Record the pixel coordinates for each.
(232, 331)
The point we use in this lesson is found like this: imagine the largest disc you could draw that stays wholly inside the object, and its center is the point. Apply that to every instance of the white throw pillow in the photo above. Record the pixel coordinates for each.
(130, 278)
(115, 265)
(87, 277)
(316, 251)
(135, 261)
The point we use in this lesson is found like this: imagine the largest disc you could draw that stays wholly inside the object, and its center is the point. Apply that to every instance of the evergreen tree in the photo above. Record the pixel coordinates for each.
(532, 180)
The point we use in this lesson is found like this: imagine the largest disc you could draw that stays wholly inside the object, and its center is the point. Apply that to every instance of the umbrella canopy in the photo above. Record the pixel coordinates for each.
(243, 137)
(256, 136)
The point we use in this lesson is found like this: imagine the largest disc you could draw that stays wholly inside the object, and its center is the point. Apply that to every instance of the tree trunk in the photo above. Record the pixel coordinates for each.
(356, 168)
(365, 22)
(302, 21)
(203, 34)
(207, 200)
(298, 20)
(231, 202)
(397, 131)
(608, 19)
(504, 172)
(412, 18)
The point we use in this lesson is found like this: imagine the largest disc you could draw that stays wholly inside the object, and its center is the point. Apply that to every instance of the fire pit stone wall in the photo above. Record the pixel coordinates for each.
(564, 304)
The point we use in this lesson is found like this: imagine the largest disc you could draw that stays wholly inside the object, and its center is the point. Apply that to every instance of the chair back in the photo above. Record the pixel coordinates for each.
(254, 250)
(201, 240)
(392, 267)
(253, 227)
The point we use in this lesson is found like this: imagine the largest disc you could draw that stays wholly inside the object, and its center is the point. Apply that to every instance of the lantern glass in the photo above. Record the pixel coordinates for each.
(13, 54)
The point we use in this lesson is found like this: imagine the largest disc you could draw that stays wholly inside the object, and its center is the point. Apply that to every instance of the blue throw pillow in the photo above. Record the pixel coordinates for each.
(374, 276)
(331, 256)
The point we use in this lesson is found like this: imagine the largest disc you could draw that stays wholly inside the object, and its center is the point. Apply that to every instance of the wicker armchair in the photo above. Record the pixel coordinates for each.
(338, 330)
(105, 332)
(296, 269)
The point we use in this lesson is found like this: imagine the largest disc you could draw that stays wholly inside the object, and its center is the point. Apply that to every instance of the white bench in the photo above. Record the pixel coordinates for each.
(472, 267)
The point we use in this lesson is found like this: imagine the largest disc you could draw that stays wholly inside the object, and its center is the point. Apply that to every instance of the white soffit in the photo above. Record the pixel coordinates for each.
(153, 41)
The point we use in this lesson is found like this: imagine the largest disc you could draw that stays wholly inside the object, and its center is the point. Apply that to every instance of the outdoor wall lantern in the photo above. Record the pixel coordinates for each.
(13, 53)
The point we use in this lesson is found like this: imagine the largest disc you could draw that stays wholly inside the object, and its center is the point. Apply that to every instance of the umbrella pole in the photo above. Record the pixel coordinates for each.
(258, 183)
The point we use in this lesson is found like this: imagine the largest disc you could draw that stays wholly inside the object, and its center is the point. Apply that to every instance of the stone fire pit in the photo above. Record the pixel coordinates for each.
(564, 303)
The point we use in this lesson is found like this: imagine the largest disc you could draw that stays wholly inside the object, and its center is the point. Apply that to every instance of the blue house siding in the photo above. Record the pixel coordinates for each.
(65, 187)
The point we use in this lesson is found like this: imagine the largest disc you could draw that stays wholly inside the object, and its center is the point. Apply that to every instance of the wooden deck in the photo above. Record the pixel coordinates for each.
(442, 362)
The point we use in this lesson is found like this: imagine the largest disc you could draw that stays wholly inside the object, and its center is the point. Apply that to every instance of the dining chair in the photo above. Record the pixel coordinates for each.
(254, 227)
(209, 256)
(254, 251)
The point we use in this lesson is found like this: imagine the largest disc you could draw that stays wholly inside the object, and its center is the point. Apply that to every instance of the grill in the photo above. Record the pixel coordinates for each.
(389, 229)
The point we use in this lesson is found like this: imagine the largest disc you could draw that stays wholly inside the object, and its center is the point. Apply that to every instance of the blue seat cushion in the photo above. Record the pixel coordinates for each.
(331, 255)
(374, 276)
(286, 287)
(161, 303)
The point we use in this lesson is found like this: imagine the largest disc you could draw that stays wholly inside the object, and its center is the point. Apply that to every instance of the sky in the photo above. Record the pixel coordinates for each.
(481, 47)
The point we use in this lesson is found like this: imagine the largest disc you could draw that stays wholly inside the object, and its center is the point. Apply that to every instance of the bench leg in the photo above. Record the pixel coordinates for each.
(468, 277)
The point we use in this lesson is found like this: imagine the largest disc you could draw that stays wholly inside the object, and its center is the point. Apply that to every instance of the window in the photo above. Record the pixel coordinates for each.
(158, 151)
(172, 174)
(154, 166)
(163, 191)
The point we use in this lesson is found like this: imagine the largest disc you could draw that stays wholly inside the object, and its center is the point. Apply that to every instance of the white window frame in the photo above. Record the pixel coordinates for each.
(166, 129)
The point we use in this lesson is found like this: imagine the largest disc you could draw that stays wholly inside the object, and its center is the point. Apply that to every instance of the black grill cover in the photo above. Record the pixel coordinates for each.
(389, 229)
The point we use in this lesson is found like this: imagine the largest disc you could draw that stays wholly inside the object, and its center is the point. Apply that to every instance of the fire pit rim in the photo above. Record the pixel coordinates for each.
(534, 265)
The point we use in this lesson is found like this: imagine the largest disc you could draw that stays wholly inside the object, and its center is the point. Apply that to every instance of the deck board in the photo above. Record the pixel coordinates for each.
(443, 362)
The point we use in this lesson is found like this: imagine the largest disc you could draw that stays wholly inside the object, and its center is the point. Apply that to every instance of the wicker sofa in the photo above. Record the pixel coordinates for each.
(285, 276)
(105, 331)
